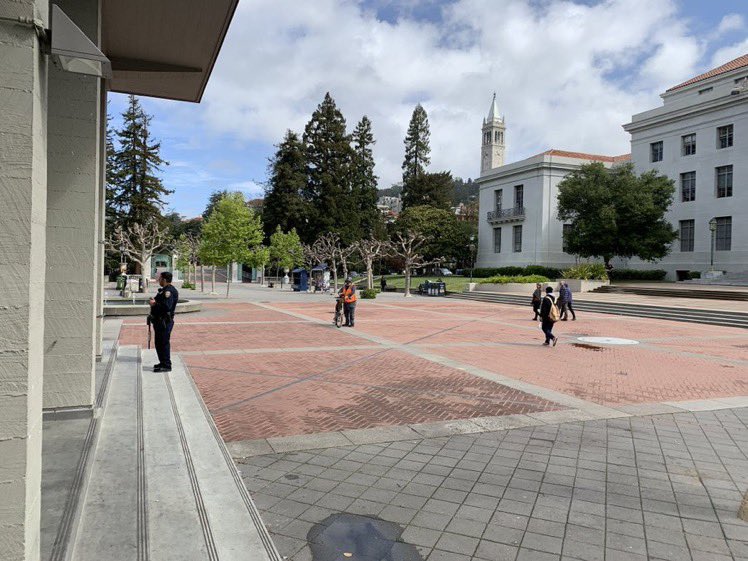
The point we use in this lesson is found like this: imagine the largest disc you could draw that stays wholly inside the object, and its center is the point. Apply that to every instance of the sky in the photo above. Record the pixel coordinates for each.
(567, 73)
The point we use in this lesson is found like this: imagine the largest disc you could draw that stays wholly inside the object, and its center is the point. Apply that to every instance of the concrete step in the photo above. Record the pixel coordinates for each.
(665, 292)
(716, 317)
(162, 485)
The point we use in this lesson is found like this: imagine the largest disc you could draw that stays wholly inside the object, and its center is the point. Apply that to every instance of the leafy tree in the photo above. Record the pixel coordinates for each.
(284, 205)
(613, 212)
(445, 237)
(328, 160)
(213, 200)
(286, 251)
(137, 193)
(179, 225)
(417, 150)
(364, 180)
(433, 189)
(232, 234)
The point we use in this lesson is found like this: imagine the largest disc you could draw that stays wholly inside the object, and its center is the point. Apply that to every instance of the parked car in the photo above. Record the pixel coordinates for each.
(444, 272)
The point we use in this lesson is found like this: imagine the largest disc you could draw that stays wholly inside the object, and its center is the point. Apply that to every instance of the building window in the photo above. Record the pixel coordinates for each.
(565, 237)
(705, 90)
(498, 196)
(724, 137)
(687, 228)
(724, 233)
(519, 196)
(517, 239)
(688, 186)
(688, 144)
(497, 240)
(724, 181)
(487, 138)
(656, 150)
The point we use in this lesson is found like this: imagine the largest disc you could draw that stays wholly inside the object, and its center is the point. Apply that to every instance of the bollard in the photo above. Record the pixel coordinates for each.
(743, 510)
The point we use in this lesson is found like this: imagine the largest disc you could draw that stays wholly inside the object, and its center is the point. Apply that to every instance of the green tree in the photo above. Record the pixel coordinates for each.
(137, 192)
(213, 200)
(417, 150)
(615, 213)
(233, 233)
(445, 237)
(328, 190)
(286, 251)
(284, 205)
(364, 181)
(433, 189)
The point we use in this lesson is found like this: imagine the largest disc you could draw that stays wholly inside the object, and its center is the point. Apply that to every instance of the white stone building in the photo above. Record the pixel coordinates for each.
(699, 138)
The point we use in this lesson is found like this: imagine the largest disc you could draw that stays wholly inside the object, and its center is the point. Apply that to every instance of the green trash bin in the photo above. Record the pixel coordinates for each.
(121, 280)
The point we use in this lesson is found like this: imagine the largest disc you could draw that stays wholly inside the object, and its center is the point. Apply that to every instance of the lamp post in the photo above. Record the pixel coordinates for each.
(472, 257)
(713, 230)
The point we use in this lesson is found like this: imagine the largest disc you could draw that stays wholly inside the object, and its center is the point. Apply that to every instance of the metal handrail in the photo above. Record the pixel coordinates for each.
(516, 212)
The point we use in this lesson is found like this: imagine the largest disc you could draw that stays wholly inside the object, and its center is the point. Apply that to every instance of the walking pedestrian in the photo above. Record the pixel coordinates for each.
(537, 296)
(568, 305)
(549, 315)
(560, 299)
(348, 292)
(383, 283)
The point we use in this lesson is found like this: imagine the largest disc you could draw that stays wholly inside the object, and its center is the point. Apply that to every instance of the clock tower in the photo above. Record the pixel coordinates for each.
(492, 148)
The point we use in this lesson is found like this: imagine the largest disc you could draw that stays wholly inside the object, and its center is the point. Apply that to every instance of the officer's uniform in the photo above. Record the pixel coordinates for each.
(162, 318)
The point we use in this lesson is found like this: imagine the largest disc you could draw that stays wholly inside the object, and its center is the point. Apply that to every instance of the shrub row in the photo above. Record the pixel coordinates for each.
(634, 274)
(504, 279)
(550, 272)
(586, 271)
(368, 293)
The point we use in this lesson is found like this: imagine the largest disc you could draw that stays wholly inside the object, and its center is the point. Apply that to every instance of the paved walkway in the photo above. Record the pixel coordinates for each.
(663, 487)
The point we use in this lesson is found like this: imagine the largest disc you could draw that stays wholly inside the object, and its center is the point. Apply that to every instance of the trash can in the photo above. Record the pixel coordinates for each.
(121, 280)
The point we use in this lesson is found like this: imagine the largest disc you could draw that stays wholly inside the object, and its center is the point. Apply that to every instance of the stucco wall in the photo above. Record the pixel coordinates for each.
(73, 200)
(23, 179)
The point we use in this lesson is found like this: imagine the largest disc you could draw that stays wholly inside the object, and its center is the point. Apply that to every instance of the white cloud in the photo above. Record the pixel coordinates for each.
(568, 75)
(731, 52)
(731, 22)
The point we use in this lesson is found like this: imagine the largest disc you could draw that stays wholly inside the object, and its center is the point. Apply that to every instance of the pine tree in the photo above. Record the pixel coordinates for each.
(138, 192)
(112, 213)
(364, 182)
(284, 206)
(417, 150)
(328, 161)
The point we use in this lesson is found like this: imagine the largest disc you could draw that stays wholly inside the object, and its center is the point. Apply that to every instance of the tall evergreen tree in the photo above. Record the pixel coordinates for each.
(284, 206)
(364, 181)
(417, 150)
(138, 192)
(328, 160)
(112, 212)
(215, 197)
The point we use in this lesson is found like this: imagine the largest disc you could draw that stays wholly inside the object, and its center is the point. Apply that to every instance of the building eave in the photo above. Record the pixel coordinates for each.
(665, 117)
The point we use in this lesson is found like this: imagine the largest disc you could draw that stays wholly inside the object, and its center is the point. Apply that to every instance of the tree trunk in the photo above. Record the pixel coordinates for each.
(213, 280)
(262, 275)
(202, 278)
(335, 274)
(407, 281)
(369, 273)
(229, 274)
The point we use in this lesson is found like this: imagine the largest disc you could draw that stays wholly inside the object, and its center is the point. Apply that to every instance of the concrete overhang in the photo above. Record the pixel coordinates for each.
(164, 48)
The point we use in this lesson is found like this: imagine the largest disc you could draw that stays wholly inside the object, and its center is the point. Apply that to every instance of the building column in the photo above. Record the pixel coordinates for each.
(73, 200)
(23, 185)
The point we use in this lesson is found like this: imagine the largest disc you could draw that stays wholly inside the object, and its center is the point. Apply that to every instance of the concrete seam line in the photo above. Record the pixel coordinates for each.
(254, 514)
(202, 513)
(142, 489)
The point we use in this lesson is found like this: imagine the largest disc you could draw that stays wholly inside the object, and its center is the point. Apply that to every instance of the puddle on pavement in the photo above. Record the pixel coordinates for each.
(359, 538)
(291, 477)
(587, 346)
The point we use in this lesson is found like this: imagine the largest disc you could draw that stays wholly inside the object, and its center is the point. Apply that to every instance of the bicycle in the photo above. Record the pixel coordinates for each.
(339, 316)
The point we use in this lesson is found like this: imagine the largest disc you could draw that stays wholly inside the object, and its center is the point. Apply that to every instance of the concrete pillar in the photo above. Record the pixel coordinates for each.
(23, 185)
(73, 201)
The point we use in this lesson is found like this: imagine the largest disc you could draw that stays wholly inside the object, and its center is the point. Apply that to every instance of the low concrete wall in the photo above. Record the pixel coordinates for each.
(578, 285)
(515, 287)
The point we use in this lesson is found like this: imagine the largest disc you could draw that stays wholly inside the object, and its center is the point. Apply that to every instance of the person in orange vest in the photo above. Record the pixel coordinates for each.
(348, 292)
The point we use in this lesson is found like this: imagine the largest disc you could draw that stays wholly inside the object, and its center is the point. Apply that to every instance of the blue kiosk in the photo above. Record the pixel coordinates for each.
(300, 280)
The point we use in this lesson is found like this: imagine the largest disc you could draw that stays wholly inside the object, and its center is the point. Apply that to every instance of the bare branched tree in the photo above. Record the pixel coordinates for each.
(140, 243)
(369, 250)
(327, 247)
(406, 246)
(344, 253)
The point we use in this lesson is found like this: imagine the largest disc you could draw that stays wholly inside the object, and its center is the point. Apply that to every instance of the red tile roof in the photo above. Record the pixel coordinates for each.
(583, 156)
(740, 62)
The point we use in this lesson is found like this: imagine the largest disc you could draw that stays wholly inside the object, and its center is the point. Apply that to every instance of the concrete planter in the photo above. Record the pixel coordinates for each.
(518, 288)
(579, 285)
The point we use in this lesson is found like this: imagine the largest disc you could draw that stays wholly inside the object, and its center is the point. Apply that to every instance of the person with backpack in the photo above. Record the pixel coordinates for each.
(549, 315)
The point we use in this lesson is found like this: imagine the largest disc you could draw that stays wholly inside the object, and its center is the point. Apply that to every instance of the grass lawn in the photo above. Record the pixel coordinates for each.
(454, 283)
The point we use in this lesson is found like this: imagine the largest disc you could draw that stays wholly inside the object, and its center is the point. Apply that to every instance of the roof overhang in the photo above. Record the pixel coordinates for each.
(164, 48)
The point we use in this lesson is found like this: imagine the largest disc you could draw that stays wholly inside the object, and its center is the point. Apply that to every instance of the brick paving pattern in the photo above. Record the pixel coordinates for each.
(663, 488)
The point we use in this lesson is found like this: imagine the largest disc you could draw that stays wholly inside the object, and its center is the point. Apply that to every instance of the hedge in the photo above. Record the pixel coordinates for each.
(515, 279)
(368, 293)
(586, 271)
(549, 272)
(635, 274)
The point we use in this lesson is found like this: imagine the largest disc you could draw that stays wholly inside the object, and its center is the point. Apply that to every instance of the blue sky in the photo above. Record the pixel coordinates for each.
(568, 75)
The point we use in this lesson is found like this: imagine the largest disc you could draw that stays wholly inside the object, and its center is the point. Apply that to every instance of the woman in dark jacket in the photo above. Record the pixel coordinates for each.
(536, 298)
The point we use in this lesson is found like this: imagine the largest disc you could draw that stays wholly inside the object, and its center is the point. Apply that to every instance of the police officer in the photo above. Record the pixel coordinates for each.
(348, 292)
(163, 306)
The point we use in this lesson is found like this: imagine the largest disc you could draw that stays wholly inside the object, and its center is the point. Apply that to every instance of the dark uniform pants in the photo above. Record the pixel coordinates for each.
(350, 313)
(547, 326)
(162, 332)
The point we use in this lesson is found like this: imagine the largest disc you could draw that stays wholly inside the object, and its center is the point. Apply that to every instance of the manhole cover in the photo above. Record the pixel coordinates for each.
(608, 341)
(361, 538)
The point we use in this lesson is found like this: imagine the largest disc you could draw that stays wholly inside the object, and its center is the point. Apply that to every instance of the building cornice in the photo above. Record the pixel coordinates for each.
(689, 111)
(536, 166)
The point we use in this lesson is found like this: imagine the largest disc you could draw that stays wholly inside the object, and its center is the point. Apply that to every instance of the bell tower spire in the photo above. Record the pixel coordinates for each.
(492, 149)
